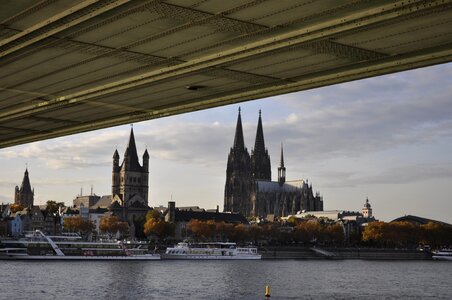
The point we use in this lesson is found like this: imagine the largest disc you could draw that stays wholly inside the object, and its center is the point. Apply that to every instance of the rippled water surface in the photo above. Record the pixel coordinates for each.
(289, 279)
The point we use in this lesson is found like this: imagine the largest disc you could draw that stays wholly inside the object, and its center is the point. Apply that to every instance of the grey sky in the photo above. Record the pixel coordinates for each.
(387, 138)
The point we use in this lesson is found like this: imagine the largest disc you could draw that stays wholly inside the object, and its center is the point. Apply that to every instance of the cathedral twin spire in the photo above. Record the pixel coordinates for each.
(249, 189)
(244, 170)
(260, 159)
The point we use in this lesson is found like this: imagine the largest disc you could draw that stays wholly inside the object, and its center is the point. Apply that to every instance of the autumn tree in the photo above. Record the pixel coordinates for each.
(201, 230)
(293, 221)
(224, 230)
(240, 233)
(393, 234)
(308, 231)
(154, 214)
(78, 224)
(271, 231)
(16, 207)
(334, 234)
(255, 233)
(436, 235)
(112, 225)
(158, 228)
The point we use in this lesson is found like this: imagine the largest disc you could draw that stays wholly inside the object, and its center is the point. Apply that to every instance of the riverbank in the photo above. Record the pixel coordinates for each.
(285, 252)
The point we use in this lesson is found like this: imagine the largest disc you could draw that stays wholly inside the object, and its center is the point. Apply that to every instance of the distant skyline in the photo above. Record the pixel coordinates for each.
(388, 138)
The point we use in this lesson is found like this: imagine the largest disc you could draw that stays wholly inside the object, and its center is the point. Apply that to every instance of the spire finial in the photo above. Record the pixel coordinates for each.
(240, 109)
(131, 125)
(282, 156)
(260, 112)
(238, 138)
(282, 169)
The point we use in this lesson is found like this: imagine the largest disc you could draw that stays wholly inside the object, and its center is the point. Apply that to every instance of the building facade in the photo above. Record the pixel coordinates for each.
(249, 189)
(130, 187)
(130, 179)
(25, 194)
(238, 175)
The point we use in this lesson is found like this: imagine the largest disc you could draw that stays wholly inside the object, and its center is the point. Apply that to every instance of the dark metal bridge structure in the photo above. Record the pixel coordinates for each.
(74, 66)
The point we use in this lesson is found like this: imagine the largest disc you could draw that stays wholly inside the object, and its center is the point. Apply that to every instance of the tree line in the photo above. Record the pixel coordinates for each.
(304, 232)
(407, 235)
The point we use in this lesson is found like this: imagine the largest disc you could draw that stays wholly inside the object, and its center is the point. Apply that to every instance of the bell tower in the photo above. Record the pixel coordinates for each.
(367, 209)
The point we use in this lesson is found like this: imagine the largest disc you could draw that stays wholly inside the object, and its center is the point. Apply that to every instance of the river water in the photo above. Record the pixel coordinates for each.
(288, 279)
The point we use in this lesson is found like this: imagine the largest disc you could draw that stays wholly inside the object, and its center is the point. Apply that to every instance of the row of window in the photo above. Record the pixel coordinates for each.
(131, 179)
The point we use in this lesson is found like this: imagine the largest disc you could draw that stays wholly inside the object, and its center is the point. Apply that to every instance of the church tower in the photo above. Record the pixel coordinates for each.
(367, 209)
(115, 179)
(281, 169)
(130, 179)
(25, 195)
(238, 175)
(260, 160)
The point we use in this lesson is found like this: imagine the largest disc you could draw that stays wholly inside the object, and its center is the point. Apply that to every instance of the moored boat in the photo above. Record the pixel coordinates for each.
(39, 246)
(443, 254)
(212, 250)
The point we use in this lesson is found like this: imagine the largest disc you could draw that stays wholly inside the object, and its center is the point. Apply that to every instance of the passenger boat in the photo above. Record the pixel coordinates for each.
(443, 254)
(205, 251)
(38, 246)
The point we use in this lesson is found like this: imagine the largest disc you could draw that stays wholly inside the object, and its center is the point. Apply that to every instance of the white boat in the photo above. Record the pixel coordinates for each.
(443, 254)
(206, 251)
(39, 246)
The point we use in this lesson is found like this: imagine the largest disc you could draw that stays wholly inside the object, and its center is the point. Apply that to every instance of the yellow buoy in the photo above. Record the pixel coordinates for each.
(267, 291)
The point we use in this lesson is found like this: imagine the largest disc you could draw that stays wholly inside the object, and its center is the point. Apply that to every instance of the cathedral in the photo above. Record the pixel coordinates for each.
(24, 195)
(249, 189)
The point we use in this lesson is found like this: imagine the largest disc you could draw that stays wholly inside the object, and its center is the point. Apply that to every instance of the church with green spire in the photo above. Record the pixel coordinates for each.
(249, 188)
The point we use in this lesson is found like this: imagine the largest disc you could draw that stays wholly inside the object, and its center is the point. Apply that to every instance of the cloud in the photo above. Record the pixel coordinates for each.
(343, 121)
(7, 183)
(409, 174)
(367, 116)
(6, 199)
(191, 143)
(72, 152)
(66, 181)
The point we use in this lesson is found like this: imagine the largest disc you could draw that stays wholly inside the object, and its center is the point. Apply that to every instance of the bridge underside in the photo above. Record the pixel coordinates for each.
(74, 66)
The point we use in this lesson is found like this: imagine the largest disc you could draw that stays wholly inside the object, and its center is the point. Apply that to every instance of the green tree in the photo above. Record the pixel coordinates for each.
(53, 206)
